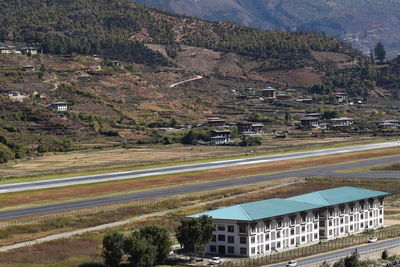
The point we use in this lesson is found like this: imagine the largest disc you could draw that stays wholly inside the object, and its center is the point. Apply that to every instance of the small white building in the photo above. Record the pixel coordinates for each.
(59, 106)
(220, 137)
(268, 226)
(29, 50)
(5, 50)
(16, 96)
(341, 122)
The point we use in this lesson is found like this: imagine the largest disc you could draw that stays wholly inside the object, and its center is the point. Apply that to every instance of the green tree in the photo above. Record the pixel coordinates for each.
(380, 52)
(113, 248)
(140, 251)
(385, 255)
(158, 237)
(250, 141)
(195, 233)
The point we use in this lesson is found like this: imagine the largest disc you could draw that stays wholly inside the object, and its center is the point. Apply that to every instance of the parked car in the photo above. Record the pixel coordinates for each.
(291, 264)
(215, 260)
(372, 239)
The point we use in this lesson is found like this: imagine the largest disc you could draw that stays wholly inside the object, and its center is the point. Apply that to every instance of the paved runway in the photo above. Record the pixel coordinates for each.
(324, 171)
(17, 187)
(313, 260)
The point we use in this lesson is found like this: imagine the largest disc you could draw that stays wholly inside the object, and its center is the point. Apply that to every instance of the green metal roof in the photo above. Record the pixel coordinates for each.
(278, 206)
(338, 195)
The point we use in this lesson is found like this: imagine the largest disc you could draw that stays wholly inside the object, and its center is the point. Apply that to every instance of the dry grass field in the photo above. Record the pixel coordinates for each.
(75, 161)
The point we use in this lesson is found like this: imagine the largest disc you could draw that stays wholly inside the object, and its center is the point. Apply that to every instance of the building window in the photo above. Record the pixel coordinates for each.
(330, 232)
(221, 238)
(253, 239)
(242, 228)
(341, 220)
(278, 234)
(278, 244)
(280, 224)
(267, 247)
(380, 220)
(303, 239)
(253, 229)
(213, 238)
(253, 250)
(380, 212)
(213, 248)
(231, 239)
(303, 229)
(362, 225)
(315, 236)
(341, 229)
(292, 241)
(231, 250)
(315, 225)
(221, 227)
(266, 236)
(243, 240)
(362, 216)
(231, 228)
(292, 231)
(243, 251)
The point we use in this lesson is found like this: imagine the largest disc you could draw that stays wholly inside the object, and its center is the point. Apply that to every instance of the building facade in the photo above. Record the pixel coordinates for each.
(268, 226)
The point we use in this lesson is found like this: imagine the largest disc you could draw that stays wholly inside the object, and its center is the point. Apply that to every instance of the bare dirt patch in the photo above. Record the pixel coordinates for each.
(305, 77)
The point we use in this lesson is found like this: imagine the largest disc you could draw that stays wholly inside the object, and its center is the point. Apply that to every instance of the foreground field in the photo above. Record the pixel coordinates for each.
(87, 248)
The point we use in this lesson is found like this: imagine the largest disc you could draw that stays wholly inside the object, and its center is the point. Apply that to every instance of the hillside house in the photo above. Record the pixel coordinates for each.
(341, 96)
(16, 96)
(84, 78)
(389, 124)
(29, 50)
(220, 137)
(215, 122)
(28, 68)
(269, 226)
(250, 128)
(314, 114)
(342, 122)
(5, 50)
(309, 122)
(59, 106)
(283, 97)
(269, 93)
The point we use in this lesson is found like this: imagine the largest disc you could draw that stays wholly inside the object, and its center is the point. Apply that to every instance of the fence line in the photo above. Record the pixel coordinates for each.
(312, 249)
(144, 202)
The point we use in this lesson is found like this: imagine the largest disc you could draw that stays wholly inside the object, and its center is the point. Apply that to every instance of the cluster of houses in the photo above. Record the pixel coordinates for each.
(223, 136)
(56, 106)
(281, 96)
(313, 120)
(10, 49)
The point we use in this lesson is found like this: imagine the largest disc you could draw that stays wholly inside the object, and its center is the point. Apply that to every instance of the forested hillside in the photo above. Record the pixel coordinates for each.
(123, 69)
(117, 28)
(361, 23)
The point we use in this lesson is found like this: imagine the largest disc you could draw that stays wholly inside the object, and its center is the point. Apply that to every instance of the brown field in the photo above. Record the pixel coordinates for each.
(73, 161)
(63, 194)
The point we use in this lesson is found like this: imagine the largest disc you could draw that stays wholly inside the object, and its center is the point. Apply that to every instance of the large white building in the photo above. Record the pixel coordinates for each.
(262, 227)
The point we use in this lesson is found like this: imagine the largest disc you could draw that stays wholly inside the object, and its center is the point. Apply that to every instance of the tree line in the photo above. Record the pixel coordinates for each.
(151, 245)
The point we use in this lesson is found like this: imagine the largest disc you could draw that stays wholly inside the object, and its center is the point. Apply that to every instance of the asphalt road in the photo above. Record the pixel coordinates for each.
(43, 184)
(342, 253)
(324, 171)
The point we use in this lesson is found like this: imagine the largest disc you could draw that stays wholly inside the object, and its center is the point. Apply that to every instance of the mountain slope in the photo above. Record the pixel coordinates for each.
(362, 23)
